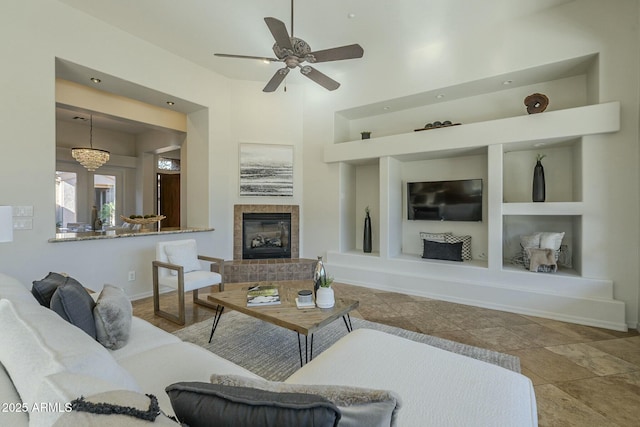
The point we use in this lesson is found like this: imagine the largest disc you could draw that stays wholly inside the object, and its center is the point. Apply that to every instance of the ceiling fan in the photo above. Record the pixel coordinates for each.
(293, 52)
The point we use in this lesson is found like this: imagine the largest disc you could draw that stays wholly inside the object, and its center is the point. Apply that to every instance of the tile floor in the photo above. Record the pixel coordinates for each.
(583, 376)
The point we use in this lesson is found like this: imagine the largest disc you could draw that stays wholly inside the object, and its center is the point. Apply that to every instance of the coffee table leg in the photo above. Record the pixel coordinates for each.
(308, 356)
(348, 325)
(216, 319)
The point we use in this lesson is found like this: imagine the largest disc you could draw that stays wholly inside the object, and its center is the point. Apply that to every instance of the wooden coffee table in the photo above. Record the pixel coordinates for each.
(286, 314)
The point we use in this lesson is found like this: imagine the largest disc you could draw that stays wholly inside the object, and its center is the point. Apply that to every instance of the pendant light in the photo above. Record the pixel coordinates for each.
(91, 158)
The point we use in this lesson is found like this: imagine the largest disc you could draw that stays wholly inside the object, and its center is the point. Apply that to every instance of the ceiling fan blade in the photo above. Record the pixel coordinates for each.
(351, 51)
(320, 78)
(275, 81)
(279, 32)
(261, 58)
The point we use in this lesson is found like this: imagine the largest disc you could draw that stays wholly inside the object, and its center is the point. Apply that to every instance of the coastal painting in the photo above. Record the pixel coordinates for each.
(266, 170)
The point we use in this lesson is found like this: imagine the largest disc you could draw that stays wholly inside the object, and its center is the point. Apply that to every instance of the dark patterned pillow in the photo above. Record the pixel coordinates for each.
(43, 289)
(444, 251)
(197, 403)
(466, 244)
(74, 304)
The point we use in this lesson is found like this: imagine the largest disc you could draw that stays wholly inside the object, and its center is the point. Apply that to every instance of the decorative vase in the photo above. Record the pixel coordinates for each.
(94, 217)
(325, 297)
(366, 241)
(319, 275)
(538, 193)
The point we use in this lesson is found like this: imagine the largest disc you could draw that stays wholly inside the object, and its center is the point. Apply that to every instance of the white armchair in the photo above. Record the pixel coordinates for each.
(178, 266)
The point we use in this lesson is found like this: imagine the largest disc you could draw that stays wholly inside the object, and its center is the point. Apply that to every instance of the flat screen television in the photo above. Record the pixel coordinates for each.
(459, 200)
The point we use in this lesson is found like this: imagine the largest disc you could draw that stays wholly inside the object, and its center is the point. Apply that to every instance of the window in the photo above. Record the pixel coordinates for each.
(104, 188)
(66, 198)
(167, 164)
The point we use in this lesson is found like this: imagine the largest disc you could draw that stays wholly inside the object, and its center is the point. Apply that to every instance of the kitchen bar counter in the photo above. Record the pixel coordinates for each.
(120, 233)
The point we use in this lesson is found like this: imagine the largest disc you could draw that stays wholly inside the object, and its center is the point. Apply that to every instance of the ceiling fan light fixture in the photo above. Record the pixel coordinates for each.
(91, 158)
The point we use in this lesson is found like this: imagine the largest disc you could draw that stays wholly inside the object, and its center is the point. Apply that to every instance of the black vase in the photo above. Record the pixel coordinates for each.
(366, 241)
(538, 193)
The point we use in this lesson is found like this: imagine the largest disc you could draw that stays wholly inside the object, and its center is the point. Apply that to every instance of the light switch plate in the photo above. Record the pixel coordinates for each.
(23, 223)
(23, 211)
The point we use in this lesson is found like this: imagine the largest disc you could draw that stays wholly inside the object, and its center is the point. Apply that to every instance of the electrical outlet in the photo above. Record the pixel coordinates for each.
(132, 276)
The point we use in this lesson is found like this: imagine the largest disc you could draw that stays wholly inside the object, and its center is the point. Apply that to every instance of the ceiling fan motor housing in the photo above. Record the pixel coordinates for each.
(300, 49)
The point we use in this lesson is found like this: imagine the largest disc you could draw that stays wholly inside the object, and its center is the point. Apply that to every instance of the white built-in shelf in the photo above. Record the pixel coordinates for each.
(521, 132)
(543, 208)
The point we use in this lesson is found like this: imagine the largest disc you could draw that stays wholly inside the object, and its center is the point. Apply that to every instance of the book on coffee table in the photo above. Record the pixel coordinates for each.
(263, 295)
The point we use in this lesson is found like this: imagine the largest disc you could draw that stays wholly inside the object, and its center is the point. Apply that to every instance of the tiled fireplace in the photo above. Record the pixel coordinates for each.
(269, 230)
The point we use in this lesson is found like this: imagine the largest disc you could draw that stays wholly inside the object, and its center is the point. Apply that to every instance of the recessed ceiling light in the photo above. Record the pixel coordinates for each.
(507, 82)
(95, 80)
(171, 103)
(386, 107)
(351, 15)
(440, 96)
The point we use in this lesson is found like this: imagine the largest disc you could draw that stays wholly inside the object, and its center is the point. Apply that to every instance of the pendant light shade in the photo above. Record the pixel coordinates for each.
(91, 158)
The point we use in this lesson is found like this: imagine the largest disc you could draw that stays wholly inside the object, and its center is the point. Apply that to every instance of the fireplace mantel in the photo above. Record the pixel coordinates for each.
(238, 210)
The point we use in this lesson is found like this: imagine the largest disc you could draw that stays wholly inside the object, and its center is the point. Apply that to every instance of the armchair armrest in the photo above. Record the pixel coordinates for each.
(176, 267)
(217, 264)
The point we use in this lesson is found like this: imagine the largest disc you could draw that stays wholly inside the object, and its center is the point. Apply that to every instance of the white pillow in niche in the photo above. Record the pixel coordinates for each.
(551, 240)
(530, 240)
(184, 254)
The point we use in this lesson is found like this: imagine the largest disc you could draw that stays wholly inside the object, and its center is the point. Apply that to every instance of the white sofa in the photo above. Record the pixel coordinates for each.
(49, 360)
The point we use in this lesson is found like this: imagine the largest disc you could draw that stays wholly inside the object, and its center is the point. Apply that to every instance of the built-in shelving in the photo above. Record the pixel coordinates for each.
(544, 208)
(503, 152)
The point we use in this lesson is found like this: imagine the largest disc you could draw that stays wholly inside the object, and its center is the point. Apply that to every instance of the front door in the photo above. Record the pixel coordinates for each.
(169, 199)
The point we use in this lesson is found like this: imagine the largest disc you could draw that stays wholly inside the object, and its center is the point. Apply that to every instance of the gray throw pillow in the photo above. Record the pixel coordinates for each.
(43, 289)
(203, 404)
(358, 406)
(112, 314)
(74, 304)
(444, 251)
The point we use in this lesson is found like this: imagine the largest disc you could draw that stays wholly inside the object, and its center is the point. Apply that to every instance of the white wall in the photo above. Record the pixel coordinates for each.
(43, 30)
(236, 112)
(610, 162)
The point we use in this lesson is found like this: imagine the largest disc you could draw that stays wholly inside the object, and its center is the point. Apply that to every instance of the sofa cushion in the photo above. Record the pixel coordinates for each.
(59, 389)
(11, 288)
(110, 404)
(177, 362)
(44, 289)
(42, 343)
(438, 387)
(444, 251)
(9, 395)
(143, 337)
(358, 406)
(74, 304)
(205, 404)
(113, 314)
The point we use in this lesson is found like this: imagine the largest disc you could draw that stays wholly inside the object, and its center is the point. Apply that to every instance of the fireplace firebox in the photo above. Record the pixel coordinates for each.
(266, 235)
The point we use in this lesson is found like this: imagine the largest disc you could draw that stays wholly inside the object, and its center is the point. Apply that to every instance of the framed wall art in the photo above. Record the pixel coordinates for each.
(266, 170)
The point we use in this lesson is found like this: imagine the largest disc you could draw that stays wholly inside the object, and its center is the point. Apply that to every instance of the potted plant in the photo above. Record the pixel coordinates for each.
(325, 297)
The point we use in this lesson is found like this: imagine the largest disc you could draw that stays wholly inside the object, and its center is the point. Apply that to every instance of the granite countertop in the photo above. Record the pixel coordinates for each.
(118, 233)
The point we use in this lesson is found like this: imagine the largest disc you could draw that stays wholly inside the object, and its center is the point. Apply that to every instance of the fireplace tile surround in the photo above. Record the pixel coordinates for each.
(238, 210)
(259, 270)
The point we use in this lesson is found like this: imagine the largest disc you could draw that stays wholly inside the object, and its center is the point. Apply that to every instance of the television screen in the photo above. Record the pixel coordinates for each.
(445, 200)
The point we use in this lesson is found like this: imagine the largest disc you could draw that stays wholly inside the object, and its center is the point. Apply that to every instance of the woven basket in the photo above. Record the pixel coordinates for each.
(542, 269)
(142, 221)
